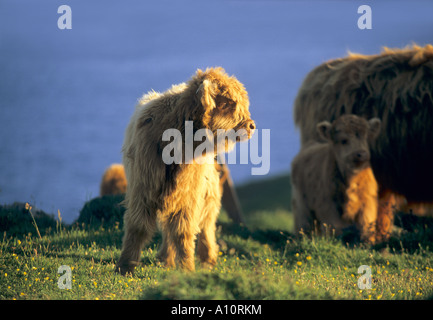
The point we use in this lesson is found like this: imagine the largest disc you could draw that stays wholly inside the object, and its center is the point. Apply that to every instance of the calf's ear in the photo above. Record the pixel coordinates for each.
(207, 93)
(324, 130)
(374, 127)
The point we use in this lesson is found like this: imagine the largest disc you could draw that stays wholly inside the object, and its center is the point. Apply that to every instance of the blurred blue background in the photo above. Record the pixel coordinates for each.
(66, 96)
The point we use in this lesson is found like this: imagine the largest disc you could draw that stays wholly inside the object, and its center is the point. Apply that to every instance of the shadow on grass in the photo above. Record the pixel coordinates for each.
(265, 194)
(273, 238)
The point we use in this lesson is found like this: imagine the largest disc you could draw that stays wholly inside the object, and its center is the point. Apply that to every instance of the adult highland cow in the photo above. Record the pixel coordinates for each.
(397, 87)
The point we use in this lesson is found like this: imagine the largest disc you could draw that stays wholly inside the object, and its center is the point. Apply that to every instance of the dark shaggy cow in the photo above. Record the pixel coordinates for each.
(397, 87)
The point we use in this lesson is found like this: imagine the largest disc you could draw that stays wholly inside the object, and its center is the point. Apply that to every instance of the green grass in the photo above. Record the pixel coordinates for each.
(262, 260)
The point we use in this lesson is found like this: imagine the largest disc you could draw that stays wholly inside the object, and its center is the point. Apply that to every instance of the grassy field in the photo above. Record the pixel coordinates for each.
(261, 260)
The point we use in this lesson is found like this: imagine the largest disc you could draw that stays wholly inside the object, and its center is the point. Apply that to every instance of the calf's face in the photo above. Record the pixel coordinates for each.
(227, 108)
(349, 137)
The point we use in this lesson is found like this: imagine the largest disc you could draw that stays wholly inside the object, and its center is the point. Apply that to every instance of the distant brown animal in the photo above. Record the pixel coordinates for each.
(113, 180)
(184, 198)
(332, 182)
(395, 86)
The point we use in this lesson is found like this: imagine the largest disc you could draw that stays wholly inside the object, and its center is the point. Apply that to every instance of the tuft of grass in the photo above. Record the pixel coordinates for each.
(106, 210)
(29, 208)
(20, 219)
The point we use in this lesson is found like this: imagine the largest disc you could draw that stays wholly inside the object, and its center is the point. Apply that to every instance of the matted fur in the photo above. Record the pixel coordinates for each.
(184, 198)
(395, 86)
(332, 182)
(113, 180)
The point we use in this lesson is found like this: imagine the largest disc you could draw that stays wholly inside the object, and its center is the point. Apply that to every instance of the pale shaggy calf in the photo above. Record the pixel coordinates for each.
(183, 199)
(332, 182)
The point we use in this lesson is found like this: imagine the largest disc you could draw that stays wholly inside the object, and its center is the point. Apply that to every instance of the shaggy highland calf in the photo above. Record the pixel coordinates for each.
(113, 180)
(332, 182)
(183, 197)
(397, 87)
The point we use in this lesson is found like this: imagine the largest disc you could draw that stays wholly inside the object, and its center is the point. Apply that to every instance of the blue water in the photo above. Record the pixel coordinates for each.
(66, 96)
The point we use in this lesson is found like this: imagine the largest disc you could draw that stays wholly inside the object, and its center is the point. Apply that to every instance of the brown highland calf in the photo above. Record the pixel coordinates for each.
(332, 182)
